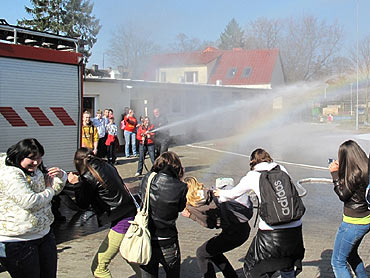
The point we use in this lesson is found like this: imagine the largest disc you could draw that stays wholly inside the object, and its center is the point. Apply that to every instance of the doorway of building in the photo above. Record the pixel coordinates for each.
(89, 105)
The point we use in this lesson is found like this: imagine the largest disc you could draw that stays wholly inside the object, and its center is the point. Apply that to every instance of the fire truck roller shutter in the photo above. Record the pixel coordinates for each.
(40, 100)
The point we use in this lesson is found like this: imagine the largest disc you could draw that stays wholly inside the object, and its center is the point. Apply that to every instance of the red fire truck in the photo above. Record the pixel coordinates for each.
(40, 92)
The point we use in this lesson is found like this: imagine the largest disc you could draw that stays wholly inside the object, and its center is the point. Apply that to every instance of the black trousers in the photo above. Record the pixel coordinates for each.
(212, 250)
(161, 146)
(111, 154)
(102, 148)
(168, 256)
(32, 258)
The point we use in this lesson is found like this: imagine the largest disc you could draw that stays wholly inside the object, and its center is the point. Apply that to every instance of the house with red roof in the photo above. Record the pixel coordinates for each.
(254, 69)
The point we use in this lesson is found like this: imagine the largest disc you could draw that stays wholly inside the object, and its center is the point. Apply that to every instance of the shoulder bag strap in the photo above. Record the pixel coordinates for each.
(129, 192)
(368, 168)
(146, 199)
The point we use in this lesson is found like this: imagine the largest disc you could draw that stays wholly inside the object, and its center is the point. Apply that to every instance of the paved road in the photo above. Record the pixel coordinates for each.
(306, 144)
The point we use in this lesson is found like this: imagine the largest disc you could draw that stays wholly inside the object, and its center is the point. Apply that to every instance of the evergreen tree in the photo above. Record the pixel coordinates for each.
(232, 37)
(79, 22)
(47, 16)
(70, 18)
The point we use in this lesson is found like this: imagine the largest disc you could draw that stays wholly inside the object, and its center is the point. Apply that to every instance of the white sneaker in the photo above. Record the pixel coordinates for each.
(137, 174)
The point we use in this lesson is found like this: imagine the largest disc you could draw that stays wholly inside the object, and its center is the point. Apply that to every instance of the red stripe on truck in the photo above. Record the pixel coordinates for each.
(39, 116)
(12, 117)
(63, 115)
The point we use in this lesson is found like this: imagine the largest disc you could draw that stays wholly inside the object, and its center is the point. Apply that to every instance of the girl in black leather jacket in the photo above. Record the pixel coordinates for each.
(350, 178)
(100, 186)
(167, 199)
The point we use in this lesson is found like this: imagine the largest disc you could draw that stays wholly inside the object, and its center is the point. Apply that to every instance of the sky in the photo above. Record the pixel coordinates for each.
(162, 20)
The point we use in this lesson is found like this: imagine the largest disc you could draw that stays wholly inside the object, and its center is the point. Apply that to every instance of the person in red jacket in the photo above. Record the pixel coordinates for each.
(129, 133)
(146, 144)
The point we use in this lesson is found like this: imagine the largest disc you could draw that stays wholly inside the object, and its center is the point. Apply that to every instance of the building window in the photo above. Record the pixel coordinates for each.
(246, 72)
(163, 77)
(231, 73)
(191, 76)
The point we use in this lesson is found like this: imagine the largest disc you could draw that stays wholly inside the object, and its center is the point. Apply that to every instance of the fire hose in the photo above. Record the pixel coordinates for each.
(302, 191)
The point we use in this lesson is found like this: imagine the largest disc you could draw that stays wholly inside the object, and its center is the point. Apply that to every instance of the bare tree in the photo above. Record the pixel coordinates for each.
(129, 47)
(341, 67)
(264, 33)
(184, 44)
(363, 65)
(309, 48)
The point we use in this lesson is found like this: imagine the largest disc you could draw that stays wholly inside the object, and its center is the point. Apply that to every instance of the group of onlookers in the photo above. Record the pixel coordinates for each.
(140, 137)
(100, 134)
(144, 137)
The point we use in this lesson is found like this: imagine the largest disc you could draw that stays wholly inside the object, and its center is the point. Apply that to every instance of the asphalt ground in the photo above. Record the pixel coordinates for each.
(303, 149)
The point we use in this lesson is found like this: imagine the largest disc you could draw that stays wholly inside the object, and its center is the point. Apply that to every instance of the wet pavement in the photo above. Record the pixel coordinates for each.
(307, 144)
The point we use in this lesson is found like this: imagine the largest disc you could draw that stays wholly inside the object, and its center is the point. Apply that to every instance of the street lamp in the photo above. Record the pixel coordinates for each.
(357, 2)
(351, 100)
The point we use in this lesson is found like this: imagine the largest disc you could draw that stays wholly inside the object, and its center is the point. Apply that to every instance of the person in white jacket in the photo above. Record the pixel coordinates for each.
(27, 244)
(278, 247)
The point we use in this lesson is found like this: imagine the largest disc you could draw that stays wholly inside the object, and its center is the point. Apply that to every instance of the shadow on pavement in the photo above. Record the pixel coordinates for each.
(78, 224)
(323, 264)
(189, 169)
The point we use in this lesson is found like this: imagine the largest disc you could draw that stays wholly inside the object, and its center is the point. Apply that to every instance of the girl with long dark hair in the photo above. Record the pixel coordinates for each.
(27, 243)
(100, 186)
(350, 178)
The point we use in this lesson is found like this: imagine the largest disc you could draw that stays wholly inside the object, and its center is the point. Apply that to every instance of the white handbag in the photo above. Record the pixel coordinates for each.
(136, 245)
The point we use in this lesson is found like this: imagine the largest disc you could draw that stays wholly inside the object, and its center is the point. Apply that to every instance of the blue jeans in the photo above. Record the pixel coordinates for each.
(130, 138)
(287, 274)
(143, 149)
(347, 241)
(32, 258)
(169, 256)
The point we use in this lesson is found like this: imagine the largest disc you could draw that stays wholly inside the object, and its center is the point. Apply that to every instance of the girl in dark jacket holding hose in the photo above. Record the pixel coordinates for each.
(350, 178)
(100, 186)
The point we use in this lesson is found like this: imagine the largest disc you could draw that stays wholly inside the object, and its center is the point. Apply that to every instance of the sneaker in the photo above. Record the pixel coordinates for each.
(137, 174)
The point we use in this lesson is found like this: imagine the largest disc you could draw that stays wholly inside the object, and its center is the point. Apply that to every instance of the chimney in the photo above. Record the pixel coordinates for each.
(95, 67)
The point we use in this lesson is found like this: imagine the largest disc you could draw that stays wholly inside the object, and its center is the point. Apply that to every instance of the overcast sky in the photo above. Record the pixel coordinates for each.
(204, 19)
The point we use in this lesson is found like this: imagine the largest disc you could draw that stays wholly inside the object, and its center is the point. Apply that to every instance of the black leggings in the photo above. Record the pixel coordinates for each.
(212, 250)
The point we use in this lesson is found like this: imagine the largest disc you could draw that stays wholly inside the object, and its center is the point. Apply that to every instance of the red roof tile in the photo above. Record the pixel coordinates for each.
(261, 62)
